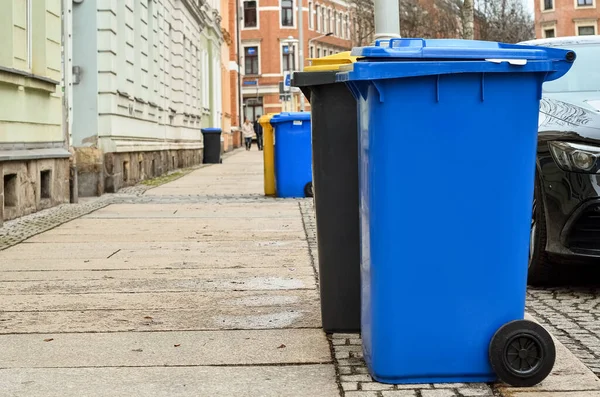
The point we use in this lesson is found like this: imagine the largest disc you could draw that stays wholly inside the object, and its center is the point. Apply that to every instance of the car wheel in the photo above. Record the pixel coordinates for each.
(540, 269)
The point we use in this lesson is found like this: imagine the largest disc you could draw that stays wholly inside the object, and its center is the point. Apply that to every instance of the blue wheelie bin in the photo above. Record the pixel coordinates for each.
(293, 158)
(447, 146)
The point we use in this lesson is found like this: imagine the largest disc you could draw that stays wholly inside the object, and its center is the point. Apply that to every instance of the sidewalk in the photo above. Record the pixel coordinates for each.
(200, 287)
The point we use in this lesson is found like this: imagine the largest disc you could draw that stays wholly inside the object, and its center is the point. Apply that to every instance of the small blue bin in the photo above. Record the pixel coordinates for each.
(293, 154)
(447, 136)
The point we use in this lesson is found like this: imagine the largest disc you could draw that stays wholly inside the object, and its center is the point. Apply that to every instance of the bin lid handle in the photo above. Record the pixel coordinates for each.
(516, 62)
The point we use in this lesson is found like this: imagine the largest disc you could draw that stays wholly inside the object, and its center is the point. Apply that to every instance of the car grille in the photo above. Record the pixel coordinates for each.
(585, 232)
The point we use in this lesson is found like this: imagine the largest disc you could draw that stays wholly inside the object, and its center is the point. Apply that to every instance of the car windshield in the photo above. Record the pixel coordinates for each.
(585, 73)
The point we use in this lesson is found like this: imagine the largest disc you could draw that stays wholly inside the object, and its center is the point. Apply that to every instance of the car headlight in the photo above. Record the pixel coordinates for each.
(576, 157)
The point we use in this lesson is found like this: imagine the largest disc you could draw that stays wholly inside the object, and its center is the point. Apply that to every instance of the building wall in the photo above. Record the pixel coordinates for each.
(148, 88)
(269, 35)
(565, 18)
(29, 77)
(226, 102)
(34, 160)
(234, 69)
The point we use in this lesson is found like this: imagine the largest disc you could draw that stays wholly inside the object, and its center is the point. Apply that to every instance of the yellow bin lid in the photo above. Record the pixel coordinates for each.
(265, 119)
(330, 62)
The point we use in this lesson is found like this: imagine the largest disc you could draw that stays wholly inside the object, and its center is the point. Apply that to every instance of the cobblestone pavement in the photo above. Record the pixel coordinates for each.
(572, 315)
(355, 380)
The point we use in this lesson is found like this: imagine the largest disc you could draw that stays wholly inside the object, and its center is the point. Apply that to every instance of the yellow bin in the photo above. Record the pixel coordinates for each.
(268, 153)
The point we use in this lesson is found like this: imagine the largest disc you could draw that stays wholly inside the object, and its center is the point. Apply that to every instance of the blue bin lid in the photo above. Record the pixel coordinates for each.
(290, 116)
(420, 57)
(211, 130)
(454, 49)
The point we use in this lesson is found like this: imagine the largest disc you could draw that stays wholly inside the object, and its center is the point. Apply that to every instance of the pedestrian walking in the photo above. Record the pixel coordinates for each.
(248, 132)
(258, 130)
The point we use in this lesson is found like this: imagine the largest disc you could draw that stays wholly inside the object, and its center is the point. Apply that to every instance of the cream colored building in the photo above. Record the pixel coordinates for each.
(146, 79)
(34, 156)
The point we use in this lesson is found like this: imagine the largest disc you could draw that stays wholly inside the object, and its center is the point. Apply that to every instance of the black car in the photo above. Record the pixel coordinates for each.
(565, 225)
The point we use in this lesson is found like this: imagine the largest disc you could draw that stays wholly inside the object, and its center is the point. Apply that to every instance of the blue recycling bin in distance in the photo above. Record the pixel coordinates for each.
(447, 151)
(293, 154)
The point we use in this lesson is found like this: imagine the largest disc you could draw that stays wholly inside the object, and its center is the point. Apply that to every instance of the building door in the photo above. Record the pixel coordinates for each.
(253, 107)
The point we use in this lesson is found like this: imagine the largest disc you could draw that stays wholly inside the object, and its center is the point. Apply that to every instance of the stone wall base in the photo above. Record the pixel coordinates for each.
(107, 173)
(32, 185)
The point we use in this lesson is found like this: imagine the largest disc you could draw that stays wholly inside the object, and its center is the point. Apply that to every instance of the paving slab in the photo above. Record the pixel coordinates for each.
(126, 226)
(199, 236)
(172, 249)
(200, 318)
(274, 209)
(152, 274)
(143, 260)
(225, 283)
(145, 349)
(224, 302)
(252, 381)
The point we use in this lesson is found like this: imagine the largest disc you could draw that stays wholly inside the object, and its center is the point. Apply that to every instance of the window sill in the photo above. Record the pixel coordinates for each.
(27, 80)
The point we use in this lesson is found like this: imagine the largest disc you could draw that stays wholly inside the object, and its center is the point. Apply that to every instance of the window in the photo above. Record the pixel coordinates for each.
(323, 29)
(311, 21)
(250, 14)
(588, 30)
(347, 27)
(548, 5)
(251, 60)
(585, 3)
(318, 53)
(335, 28)
(287, 13)
(549, 33)
(330, 52)
(318, 17)
(328, 21)
(288, 58)
(338, 25)
(311, 51)
(253, 107)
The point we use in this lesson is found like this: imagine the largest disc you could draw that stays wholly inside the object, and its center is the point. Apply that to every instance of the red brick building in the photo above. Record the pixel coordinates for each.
(559, 18)
(269, 46)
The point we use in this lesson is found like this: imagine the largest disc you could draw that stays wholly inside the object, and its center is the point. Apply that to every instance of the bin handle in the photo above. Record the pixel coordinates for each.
(515, 62)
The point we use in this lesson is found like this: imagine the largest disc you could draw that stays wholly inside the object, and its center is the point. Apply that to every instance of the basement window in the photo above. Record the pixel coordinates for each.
(46, 184)
(125, 171)
(10, 190)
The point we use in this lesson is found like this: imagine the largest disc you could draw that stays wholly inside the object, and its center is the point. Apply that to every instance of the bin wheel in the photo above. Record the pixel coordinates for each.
(522, 353)
(308, 190)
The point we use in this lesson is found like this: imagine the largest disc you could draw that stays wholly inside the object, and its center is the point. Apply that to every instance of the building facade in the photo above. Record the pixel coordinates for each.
(559, 18)
(34, 156)
(146, 79)
(269, 47)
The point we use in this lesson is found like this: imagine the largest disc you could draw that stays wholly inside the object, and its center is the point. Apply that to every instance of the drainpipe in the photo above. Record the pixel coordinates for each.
(239, 74)
(387, 19)
(67, 64)
(301, 45)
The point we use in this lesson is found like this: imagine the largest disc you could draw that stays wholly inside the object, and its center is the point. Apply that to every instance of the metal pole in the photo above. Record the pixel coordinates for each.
(301, 45)
(387, 19)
